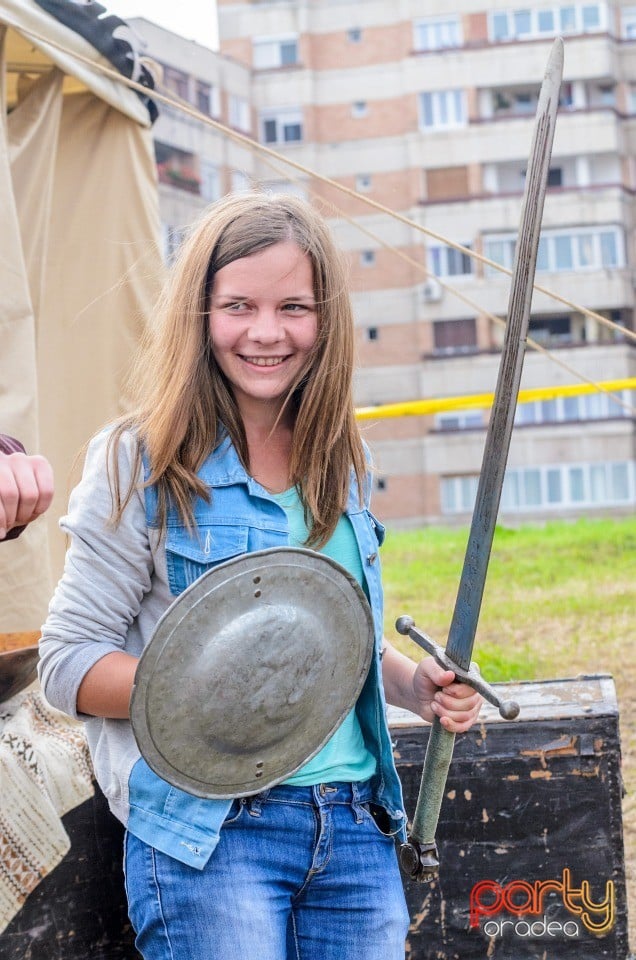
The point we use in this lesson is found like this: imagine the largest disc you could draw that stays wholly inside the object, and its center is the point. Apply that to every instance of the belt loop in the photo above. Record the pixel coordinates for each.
(325, 788)
(355, 803)
(360, 794)
(255, 803)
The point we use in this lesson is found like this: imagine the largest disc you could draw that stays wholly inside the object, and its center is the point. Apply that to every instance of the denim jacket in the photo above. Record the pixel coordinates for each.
(241, 518)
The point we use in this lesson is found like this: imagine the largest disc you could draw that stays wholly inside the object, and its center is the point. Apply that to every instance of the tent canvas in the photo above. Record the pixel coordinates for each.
(80, 263)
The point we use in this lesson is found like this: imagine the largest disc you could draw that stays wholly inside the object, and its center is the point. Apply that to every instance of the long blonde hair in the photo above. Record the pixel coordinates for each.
(185, 404)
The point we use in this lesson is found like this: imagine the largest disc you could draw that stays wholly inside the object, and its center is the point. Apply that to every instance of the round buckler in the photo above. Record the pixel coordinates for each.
(250, 671)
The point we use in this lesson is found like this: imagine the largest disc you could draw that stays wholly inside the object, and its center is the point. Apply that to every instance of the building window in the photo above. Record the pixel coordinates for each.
(551, 330)
(437, 33)
(468, 420)
(241, 183)
(546, 21)
(586, 484)
(367, 258)
(586, 406)
(176, 81)
(525, 24)
(629, 23)
(239, 113)
(177, 168)
(586, 249)
(269, 52)
(508, 102)
(283, 126)
(210, 181)
(549, 487)
(448, 262)
(354, 35)
(605, 95)
(442, 109)
(359, 109)
(512, 103)
(363, 182)
(204, 94)
(591, 17)
(458, 493)
(372, 333)
(454, 336)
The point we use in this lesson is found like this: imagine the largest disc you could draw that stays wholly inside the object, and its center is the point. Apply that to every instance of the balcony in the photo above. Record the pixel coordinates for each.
(181, 179)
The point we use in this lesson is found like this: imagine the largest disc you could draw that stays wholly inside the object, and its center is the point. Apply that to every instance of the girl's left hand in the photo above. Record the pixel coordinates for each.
(438, 695)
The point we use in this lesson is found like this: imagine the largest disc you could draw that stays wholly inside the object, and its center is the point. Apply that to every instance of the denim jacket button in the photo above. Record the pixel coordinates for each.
(372, 558)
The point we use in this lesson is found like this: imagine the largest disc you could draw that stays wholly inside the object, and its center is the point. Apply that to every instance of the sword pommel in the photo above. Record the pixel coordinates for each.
(509, 709)
(419, 863)
(404, 624)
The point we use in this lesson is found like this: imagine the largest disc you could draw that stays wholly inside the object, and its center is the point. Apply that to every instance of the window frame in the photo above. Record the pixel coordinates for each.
(437, 33)
(445, 109)
(560, 250)
(275, 45)
(284, 118)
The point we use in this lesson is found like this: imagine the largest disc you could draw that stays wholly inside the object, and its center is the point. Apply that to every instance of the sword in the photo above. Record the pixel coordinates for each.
(418, 856)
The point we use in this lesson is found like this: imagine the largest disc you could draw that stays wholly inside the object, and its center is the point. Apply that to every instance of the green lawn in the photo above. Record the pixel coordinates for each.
(560, 599)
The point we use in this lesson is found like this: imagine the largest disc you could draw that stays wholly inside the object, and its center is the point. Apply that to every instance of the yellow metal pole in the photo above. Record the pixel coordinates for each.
(422, 408)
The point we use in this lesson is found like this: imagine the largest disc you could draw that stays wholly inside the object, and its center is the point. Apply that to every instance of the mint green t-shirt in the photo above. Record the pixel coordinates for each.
(344, 757)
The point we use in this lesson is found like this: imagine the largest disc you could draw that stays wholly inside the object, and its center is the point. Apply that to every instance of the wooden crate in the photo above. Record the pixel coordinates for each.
(527, 801)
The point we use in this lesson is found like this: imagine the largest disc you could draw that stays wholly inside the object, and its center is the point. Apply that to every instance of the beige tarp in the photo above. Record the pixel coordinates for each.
(79, 268)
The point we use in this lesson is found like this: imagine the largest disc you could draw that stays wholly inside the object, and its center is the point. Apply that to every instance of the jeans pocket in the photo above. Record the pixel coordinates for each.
(380, 819)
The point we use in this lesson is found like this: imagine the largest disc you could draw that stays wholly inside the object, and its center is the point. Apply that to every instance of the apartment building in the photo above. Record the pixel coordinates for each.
(430, 114)
(195, 163)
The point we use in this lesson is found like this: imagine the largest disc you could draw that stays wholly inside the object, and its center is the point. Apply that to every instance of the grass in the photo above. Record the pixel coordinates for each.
(559, 599)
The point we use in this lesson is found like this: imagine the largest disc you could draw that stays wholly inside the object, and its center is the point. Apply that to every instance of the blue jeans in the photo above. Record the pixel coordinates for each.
(300, 873)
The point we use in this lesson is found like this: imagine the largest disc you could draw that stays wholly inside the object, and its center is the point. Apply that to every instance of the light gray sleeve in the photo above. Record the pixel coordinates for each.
(107, 572)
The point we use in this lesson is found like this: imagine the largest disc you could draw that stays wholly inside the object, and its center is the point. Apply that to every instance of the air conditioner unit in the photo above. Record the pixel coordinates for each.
(431, 291)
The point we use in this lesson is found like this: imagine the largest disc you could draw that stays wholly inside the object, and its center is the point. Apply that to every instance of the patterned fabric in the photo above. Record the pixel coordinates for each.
(45, 771)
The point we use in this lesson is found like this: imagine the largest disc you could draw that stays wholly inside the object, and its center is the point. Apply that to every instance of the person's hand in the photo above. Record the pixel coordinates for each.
(26, 489)
(438, 695)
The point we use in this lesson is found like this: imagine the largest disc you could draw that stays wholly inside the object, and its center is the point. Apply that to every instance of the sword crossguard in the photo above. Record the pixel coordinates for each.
(508, 709)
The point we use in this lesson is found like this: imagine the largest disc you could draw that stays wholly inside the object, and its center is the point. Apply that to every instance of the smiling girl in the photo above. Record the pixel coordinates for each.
(244, 427)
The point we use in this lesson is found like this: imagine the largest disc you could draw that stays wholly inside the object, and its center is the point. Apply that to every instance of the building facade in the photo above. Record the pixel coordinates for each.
(431, 116)
(196, 164)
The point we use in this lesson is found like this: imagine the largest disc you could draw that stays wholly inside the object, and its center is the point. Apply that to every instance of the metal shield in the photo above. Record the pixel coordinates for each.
(250, 671)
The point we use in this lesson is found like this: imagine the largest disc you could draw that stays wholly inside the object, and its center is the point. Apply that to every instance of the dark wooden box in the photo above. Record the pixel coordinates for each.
(527, 801)
(78, 911)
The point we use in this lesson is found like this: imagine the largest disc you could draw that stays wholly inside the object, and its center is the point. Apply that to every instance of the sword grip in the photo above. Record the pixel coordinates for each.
(418, 856)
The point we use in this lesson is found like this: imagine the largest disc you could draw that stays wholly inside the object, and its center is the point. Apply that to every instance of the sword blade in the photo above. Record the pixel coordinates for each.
(419, 856)
(471, 586)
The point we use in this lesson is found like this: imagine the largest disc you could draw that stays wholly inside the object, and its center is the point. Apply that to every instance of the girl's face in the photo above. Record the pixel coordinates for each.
(263, 324)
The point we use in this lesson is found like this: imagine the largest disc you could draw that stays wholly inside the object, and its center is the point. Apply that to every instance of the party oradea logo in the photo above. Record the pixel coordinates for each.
(542, 909)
